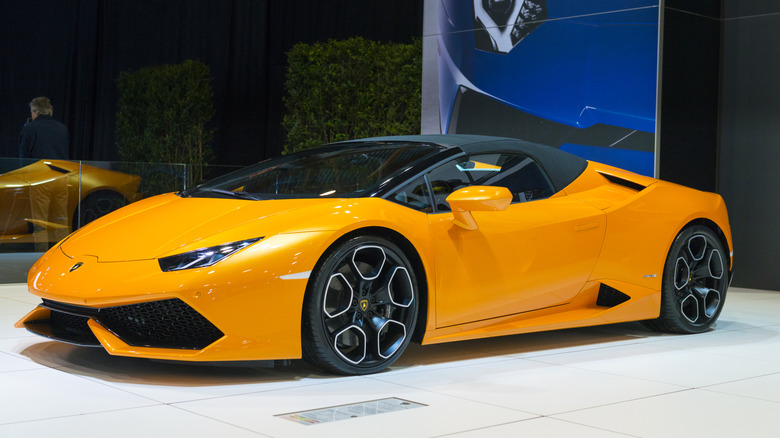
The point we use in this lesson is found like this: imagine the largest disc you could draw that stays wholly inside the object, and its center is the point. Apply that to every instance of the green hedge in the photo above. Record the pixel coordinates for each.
(342, 90)
(163, 111)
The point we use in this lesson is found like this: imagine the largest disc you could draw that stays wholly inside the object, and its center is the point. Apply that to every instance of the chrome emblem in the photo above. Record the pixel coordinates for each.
(76, 266)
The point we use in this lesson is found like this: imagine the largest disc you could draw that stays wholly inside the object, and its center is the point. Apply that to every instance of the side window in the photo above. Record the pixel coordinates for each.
(447, 178)
(414, 195)
(518, 173)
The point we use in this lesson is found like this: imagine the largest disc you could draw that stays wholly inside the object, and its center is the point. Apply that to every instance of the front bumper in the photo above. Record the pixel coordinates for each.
(246, 308)
(169, 323)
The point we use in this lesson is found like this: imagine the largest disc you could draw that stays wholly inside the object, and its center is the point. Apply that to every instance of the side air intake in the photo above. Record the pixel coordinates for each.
(610, 297)
(623, 182)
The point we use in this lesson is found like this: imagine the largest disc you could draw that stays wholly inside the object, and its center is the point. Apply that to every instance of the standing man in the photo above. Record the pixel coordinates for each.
(42, 136)
(45, 138)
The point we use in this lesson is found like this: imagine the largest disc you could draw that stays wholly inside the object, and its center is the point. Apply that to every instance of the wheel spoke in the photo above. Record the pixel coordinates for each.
(699, 304)
(700, 272)
(380, 296)
(708, 267)
(709, 300)
(390, 337)
(384, 335)
(375, 322)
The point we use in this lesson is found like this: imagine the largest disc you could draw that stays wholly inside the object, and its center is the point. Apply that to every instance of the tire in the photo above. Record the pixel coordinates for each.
(695, 281)
(96, 205)
(361, 307)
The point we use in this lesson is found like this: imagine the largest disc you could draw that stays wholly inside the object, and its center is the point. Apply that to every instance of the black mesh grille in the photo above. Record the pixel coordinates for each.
(159, 324)
(610, 297)
(163, 324)
(73, 328)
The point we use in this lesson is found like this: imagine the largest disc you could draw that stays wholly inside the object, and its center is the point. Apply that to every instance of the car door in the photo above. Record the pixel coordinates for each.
(537, 253)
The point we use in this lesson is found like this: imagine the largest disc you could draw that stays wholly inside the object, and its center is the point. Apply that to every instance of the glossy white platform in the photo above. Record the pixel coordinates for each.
(611, 381)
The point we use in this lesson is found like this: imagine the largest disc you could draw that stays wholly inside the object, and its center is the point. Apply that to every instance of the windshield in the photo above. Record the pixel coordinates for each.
(347, 170)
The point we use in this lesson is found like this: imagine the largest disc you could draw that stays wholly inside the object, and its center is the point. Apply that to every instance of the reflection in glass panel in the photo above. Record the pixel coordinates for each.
(38, 199)
(42, 201)
(156, 178)
(198, 174)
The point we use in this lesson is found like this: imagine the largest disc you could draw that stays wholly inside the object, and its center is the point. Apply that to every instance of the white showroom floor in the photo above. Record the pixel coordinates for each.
(612, 381)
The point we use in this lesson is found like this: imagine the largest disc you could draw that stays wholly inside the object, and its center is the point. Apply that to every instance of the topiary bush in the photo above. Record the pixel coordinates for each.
(340, 90)
(162, 116)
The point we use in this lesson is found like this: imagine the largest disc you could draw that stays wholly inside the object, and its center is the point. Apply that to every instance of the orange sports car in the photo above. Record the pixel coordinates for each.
(345, 253)
(47, 199)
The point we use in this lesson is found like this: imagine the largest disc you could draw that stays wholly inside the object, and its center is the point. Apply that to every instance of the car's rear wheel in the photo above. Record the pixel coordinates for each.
(695, 281)
(361, 307)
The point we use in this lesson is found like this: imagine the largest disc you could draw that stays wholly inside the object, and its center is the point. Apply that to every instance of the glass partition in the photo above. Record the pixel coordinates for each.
(42, 201)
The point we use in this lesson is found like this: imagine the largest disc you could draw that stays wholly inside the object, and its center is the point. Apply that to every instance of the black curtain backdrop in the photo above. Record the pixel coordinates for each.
(72, 51)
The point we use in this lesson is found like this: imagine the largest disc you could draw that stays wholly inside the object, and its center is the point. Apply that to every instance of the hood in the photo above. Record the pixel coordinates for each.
(8, 181)
(38, 172)
(168, 224)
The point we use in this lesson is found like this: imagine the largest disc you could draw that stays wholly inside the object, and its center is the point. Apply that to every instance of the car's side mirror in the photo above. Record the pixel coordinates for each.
(477, 198)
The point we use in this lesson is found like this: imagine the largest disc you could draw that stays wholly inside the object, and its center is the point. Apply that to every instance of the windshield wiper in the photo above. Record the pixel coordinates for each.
(227, 194)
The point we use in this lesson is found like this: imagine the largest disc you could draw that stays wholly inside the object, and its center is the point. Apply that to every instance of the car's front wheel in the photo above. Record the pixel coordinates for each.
(695, 281)
(361, 307)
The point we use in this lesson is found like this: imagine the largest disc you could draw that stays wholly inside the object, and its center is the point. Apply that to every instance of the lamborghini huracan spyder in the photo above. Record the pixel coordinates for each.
(345, 253)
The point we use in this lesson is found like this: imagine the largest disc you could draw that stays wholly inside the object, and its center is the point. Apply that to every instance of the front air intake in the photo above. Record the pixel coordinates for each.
(72, 328)
(159, 324)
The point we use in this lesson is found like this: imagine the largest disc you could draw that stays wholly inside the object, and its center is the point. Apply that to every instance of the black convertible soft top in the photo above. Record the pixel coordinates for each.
(561, 167)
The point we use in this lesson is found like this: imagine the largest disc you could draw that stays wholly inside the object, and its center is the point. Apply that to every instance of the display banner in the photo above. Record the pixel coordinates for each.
(578, 75)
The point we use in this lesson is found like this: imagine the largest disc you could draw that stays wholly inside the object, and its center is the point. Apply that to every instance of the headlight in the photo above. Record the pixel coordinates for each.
(201, 258)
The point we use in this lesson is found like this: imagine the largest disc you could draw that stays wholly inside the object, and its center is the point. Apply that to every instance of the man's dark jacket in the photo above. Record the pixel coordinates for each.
(44, 137)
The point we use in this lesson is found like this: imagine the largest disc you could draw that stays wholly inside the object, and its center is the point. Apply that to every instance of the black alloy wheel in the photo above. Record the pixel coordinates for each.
(361, 307)
(695, 281)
